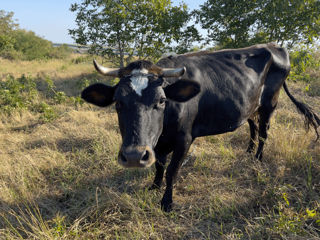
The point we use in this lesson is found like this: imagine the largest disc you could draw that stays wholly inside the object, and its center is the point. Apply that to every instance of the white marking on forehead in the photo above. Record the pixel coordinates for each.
(139, 80)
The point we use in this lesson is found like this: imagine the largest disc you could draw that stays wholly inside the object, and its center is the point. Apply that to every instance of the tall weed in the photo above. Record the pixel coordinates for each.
(17, 94)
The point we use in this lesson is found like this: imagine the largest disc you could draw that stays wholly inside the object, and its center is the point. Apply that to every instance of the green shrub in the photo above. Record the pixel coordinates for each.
(21, 93)
(7, 48)
(31, 46)
(60, 52)
(17, 93)
(19, 44)
(6, 42)
(313, 88)
(302, 60)
(48, 112)
(11, 54)
(82, 59)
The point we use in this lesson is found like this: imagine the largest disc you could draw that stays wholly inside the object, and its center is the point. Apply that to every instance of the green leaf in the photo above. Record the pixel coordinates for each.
(122, 29)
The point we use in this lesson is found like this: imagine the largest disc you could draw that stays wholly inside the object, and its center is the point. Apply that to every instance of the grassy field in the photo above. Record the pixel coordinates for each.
(59, 177)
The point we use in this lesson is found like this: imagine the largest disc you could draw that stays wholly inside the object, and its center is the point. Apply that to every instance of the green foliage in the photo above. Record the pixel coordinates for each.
(31, 46)
(48, 113)
(25, 45)
(61, 52)
(300, 60)
(305, 67)
(241, 23)
(82, 59)
(21, 93)
(83, 83)
(303, 59)
(17, 93)
(289, 219)
(119, 28)
(6, 42)
(7, 26)
(313, 88)
(59, 97)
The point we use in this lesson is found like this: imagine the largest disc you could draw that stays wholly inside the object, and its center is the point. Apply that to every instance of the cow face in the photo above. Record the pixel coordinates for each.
(140, 96)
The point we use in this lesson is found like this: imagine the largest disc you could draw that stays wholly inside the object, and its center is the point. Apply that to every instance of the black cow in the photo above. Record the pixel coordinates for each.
(162, 108)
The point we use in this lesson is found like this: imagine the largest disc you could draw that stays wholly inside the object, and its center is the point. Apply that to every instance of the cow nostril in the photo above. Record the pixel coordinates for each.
(145, 156)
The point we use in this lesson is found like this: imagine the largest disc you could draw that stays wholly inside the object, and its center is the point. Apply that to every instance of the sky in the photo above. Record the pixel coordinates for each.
(51, 19)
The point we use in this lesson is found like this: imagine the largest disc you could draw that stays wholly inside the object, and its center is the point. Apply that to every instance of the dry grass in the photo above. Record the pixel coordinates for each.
(53, 67)
(60, 179)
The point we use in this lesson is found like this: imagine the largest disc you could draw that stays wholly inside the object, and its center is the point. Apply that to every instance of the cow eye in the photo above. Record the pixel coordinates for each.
(162, 101)
(160, 104)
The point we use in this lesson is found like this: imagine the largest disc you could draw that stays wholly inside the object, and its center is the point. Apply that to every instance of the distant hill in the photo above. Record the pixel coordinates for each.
(77, 48)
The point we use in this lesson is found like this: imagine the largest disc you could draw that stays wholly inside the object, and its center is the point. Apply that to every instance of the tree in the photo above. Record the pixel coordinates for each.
(31, 46)
(129, 27)
(7, 26)
(239, 23)
(7, 23)
(20, 44)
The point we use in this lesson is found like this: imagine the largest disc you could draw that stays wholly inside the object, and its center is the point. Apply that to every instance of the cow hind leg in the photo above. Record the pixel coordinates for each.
(253, 135)
(264, 124)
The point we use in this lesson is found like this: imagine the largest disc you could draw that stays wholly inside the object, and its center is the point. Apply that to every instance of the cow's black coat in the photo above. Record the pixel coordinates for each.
(235, 86)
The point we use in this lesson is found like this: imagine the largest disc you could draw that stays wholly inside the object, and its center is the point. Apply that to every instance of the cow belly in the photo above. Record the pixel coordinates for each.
(216, 127)
(221, 118)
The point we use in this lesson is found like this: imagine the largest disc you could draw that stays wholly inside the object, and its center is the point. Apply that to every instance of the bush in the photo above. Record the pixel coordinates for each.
(313, 89)
(17, 93)
(6, 42)
(60, 52)
(11, 54)
(82, 59)
(33, 47)
(21, 93)
(7, 47)
(303, 60)
(305, 67)
(19, 44)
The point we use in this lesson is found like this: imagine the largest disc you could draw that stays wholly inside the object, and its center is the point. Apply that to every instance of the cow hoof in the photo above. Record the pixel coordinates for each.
(259, 156)
(154, 187)
(166, 206)
(250, 150)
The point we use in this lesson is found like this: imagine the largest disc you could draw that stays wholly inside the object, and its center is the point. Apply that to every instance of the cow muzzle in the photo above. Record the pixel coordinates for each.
(136, 156)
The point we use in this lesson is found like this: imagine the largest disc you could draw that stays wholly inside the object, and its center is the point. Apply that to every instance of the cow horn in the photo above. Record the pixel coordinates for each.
(173, 72)
(113, 72)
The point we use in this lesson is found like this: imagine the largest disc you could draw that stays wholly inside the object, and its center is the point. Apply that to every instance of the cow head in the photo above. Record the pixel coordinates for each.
(140, 98)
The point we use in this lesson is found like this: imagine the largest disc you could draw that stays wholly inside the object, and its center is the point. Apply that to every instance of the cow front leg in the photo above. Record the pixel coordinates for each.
(163, 148)
(182, 148)
(160, 166)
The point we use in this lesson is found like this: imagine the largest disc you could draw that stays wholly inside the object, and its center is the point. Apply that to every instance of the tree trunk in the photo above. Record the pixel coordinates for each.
(121, 57)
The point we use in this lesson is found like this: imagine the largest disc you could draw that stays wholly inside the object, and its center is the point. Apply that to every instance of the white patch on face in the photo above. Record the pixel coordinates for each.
(139, 81)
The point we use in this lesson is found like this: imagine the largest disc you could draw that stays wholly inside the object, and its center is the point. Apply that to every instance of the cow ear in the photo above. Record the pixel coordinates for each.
(182, 90)
(99, 94)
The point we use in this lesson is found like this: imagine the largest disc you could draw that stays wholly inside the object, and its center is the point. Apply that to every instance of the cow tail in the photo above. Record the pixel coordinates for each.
(310, 117)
